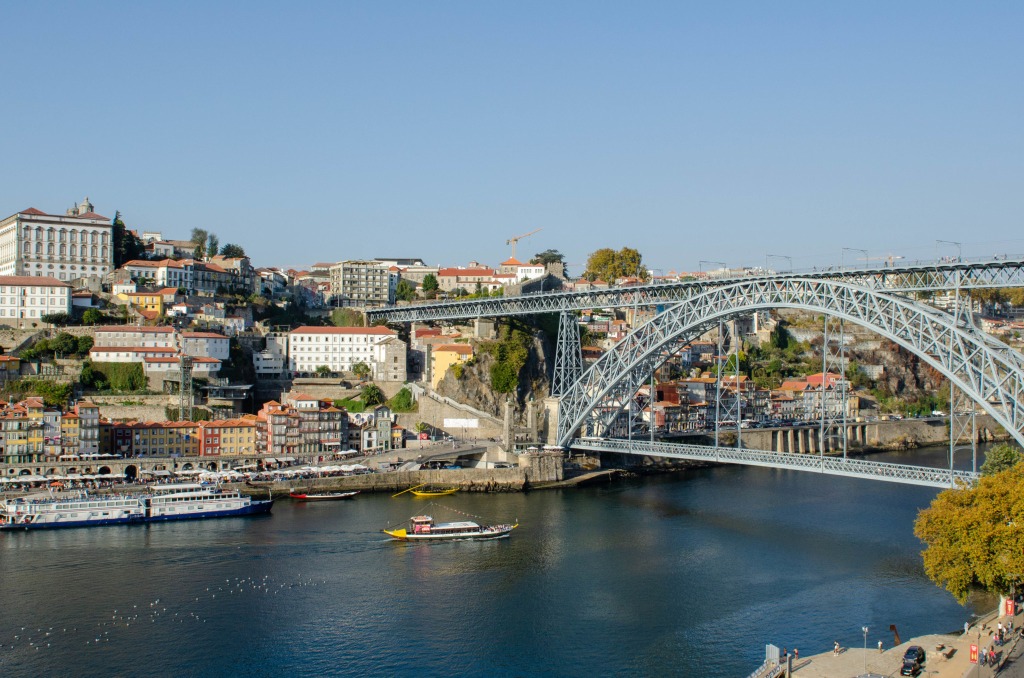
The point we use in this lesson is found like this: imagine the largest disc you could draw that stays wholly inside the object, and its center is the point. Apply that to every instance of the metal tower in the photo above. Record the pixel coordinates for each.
(834, 400)
(568, 354)
(185, 387)
(963, 426)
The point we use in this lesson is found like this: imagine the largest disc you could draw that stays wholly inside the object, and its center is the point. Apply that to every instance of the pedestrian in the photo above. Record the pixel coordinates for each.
(967, 625)
(879, 646)
(796, 654)
(835, 650)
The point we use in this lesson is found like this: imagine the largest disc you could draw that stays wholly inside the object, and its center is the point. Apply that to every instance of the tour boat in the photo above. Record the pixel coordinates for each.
(183, 501)
(428, 492)
(423, 528)
(322, 496)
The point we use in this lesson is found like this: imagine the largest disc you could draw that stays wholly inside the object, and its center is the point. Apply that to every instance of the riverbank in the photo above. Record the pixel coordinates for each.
(947, 655)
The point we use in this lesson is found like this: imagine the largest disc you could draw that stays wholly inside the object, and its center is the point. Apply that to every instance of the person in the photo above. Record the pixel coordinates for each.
(835, 649)
(967, 625)
(879, 646)
(796, 654)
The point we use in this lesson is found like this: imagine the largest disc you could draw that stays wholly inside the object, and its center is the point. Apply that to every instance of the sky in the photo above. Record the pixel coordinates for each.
(737, 132)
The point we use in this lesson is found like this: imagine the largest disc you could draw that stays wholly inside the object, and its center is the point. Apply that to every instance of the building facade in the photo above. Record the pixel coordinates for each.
(26, 299)
(341, 348)
(363, 284)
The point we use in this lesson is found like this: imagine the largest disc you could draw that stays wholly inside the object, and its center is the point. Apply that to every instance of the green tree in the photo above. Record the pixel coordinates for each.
(402, 402)
(405, 291)
(361, 370)
(548, 257)
(504, 378)
(84, 345)
(972, 535)
(323, 371)
(59, 319)
(212, 246)
(1000, 458)
(93, 378)
(430, 286)
(232, 250)
(127, 245)
(199, 236)
(64, 344)
(92, 317)
(371, 395)
(608, 265)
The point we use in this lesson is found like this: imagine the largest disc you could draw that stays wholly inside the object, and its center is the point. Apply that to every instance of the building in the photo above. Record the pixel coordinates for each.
(341, 348)
(272, 361)
(24, 300)
(206, 345)
(444, 356)
(76, 245)
(227, 438)
(323, 428)
(134, 337)
(363, 284)
(451, 279)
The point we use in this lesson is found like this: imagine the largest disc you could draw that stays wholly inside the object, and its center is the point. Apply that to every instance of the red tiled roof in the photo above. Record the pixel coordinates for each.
(467, 272)
(132, 349)
(135, 328)
(38, 281)
(202, 335)
(307, 329)
(512, 261)
(92, 215)
(33, 210)
(461, 349)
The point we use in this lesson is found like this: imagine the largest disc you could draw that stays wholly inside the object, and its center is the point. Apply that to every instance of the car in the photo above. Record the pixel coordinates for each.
(453, 467)
(910, 668)
(914, 653)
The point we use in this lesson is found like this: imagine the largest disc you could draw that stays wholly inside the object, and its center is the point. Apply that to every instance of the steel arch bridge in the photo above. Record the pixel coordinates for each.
(987, 371)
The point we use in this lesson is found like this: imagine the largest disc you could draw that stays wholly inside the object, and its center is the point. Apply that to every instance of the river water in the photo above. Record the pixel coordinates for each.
(684, 575)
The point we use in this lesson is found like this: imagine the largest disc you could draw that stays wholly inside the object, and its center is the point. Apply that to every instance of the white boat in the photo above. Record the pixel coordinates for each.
(183, 501)
(423, 528)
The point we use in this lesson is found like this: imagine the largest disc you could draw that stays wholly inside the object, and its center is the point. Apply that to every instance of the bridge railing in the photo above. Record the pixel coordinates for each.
(831, 465)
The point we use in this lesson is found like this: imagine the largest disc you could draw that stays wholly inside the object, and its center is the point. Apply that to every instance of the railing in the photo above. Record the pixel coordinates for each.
(829, 465)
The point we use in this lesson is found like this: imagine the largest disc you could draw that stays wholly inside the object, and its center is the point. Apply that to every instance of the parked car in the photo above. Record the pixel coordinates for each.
(914, 653)
(910, 668)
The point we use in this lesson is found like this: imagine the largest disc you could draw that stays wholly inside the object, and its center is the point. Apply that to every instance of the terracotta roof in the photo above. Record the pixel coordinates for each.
(131, 349)
(468, 272)
(427, 332)
(794, 386)
(304, 396)
(307, 329)
(38, 281)
(512, 261)
(461, 349)
(91, 215)
(135, 328)
(33, 210)
(202, 335)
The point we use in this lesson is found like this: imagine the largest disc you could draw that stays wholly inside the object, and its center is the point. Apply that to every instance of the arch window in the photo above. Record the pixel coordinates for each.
(49, 248)
(94, 251)
(63, 249)
(39, 233)
(103, 252)
(39, 248)
(49, 234)
(92, 237)
(74, 250)
(62, 235)
(28, 248)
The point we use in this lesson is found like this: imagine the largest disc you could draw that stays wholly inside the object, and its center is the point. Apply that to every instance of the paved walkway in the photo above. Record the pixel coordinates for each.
(952, 661)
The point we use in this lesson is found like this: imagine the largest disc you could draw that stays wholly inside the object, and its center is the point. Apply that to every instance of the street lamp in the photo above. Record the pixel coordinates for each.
(778, 256)
(700, 264)
(852, 249)
(959, 248)
(864, 629)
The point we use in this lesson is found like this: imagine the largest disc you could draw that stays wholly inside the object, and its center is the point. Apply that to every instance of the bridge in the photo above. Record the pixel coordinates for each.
(888, 301)
(814, 463)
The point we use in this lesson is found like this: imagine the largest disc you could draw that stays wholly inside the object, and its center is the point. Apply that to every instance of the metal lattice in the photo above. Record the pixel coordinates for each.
(989, 372)
(833, 394)
(838, 466)
(185, 388)
(568, 353)
(904, 280)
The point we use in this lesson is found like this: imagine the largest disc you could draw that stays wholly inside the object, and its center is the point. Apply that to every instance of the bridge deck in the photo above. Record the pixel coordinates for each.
(851, 468)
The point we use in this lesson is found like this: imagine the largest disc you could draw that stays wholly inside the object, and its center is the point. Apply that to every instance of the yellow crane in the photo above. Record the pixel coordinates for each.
(513, 241)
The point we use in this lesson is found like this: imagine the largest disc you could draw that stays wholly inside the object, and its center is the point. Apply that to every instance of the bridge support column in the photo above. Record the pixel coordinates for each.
(568, 354)
(551, 404)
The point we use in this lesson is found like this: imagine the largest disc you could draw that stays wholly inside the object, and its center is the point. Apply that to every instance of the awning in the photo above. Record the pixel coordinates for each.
(270, 460)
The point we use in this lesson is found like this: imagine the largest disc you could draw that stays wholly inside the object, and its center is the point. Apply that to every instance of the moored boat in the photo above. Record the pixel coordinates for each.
(424, 528)
(438, 492)
(184, 501)
(322, 496)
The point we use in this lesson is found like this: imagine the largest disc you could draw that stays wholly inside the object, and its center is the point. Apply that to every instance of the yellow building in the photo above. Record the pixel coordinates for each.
(151, 302)
(227, 438)
(443, 356)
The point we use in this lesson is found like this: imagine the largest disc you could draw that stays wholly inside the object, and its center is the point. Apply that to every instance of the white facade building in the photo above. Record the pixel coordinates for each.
(76, 245)
(133, 336)
(272, 360)
(26, 299)
(339, 348)
(206, 345)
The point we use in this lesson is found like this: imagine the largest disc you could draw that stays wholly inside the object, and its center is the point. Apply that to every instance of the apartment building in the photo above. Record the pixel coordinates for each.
(67, 247)
(24, 300)
(340, 348)
(363, 284)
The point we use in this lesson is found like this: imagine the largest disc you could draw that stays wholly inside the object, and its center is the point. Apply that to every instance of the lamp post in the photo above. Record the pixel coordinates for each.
(852, 249)
(959, 248)
(864, 629)
(778, 256)
(700, 264)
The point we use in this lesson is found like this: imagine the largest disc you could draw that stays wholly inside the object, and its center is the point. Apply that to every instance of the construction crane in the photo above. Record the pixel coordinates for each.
(887, 259)
(513, 241)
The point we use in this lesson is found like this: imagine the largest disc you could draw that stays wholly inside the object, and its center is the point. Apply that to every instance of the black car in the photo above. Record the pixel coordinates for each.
(910, 668)
(914, 653)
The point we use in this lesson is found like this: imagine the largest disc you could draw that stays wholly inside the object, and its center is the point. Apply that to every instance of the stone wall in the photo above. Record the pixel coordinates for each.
(141, 407)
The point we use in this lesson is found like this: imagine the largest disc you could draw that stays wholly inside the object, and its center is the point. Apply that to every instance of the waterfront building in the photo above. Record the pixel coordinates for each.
(66, 247)
(340, 348)
(227, 438)
(24, 300)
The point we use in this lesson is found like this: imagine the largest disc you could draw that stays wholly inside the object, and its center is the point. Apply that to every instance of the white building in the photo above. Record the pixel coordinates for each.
(272, 361)
(163, 366)
(206, 345)
(340, 348)
(363, 284)
(26, 299)
(76, 245)
(133, 336)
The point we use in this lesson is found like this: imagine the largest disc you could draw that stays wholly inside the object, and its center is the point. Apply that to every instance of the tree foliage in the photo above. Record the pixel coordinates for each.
(212, 246)
(403, 402)
(974, 537)
(127, 245)
(405, 291)
(430, 286)
(323, 371)
(361, 370)
(346, 317)
(232, 250)
(1000, 458)
(372, 396)
(92, 317)
(59, 319)
(608, 265)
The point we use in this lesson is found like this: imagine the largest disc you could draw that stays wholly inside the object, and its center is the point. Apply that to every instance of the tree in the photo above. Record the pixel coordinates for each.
(199, 236)
(402, 402)
(608, 265)
(361, 370)
(1000, 458)
(127, 245)
(430, 286)
(323, 371)
(92, 317)
(372, 395)
(64, 344)
(84, 345)
(504, 378)
(60, 319)
(232, 250)
(212, 246)
(405, 291)
(548, 257)
(972, 537)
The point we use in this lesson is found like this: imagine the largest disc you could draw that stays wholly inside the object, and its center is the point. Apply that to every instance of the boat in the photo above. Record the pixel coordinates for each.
(322, 496)
(428, 492)
(423, 528)
(180, 501)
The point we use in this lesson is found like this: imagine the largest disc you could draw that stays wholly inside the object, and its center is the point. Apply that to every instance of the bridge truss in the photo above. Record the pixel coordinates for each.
(922, 278)
(987, 371)
(837, 466)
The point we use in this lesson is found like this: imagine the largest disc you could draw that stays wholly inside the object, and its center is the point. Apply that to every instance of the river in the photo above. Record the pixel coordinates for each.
(687, 574)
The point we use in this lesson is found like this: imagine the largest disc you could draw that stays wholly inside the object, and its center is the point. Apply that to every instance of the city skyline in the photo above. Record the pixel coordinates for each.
(687, 132)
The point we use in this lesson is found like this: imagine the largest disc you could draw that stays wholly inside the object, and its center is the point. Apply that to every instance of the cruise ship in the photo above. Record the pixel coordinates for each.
(181, 501)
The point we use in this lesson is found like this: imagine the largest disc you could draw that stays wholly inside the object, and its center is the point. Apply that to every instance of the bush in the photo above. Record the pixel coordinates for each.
(403, 402)
(92, 317)
(123, 376)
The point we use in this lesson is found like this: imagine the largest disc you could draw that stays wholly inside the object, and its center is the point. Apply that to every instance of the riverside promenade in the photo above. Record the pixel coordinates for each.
(952, 661)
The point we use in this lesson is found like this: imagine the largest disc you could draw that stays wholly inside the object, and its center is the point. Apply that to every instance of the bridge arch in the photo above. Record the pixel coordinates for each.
(988, 371)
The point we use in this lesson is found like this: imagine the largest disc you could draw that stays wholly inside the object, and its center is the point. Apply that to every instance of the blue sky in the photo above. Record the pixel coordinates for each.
(714, 131)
